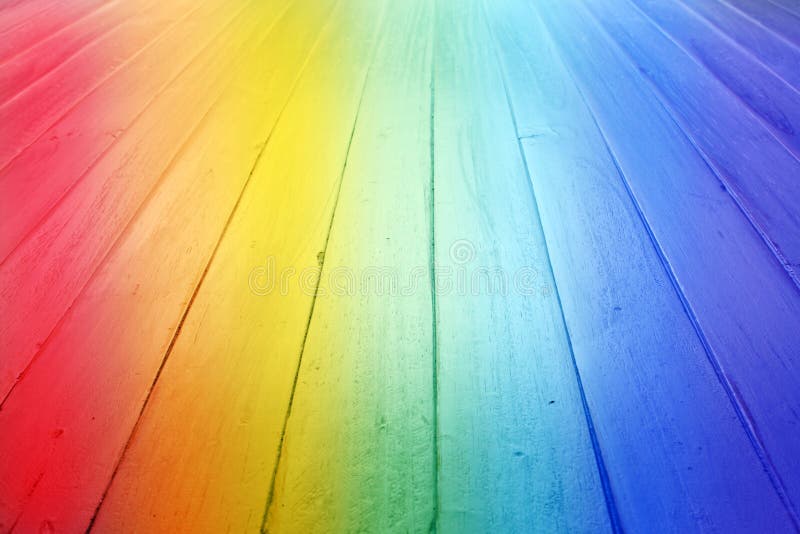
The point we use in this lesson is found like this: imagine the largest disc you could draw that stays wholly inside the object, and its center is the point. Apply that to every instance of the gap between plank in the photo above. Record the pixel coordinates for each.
(271, 493)
(433, 527)
(758, 23)
(203, 275)
(122, 232)
(716, 29)
(58, 325)
(788, 266)
(770, 129)
(741, 413)
(58, 31)
(125, 130)
(611, 506)
(106, 31)
(102, 81)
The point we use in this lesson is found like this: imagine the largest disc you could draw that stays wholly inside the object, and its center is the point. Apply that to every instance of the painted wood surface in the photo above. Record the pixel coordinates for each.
(23, 24)
(170, 260)
(32, 111)
(739, 149)
(80, 136)
(772, 16)
(247, 374)
(586, 213)
(753, 350)
(755, 39)
(372, 468)
(65, 248)
(24, 68)
(770, 98)
(503, 426)
(452, 266)
(792, 6)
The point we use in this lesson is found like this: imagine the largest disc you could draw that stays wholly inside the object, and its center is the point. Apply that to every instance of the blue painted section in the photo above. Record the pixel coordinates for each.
(772, 16)
(755, 39)
(638, 227)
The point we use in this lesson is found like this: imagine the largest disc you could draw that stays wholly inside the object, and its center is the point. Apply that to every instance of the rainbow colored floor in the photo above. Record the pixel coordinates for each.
(424, 265)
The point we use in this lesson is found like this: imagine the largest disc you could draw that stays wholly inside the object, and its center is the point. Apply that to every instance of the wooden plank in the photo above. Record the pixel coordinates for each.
(771, 16)
(30, 22)
(757, 170)
(79, 139)
(97, 369)
(76, 139)
(648, 383)
(792, 6)
(772, 100)
(745, 307)
(16, 12)
(26, 117)
(358, 453)
(765, 45)
(204, 452)
(515, 451)
(78, 231)
(9, 9)
(20, 71)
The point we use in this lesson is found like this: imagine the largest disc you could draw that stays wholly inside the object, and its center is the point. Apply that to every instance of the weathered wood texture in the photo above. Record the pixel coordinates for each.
(454, 266)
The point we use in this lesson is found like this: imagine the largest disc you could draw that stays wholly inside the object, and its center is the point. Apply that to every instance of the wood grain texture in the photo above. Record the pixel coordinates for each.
(24, 24)
(21, 70)
(513, 435)
(26, 117)
(771, 99)
(358, 454)
(67, 246)
(626, 321)
(229, 374)
(755, 168)
(97, 378)
(77, 140)
(765, 45)
(771, 16)
(419, 266)
(719, 262)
